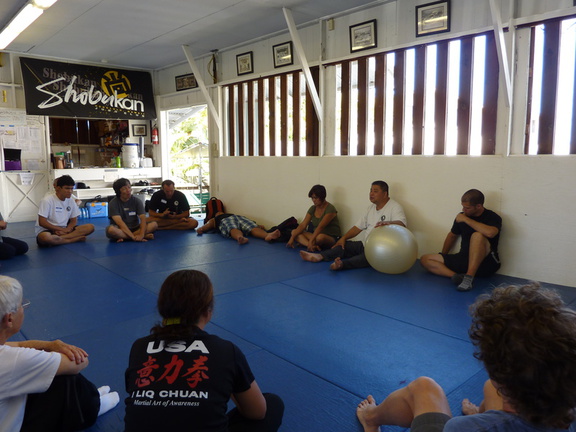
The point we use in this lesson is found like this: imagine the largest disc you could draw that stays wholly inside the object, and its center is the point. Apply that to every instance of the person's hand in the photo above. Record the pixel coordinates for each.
(139, 238)
(312, 246)
(3, 225)
(75, 354)
(340, 243)
(381, 223)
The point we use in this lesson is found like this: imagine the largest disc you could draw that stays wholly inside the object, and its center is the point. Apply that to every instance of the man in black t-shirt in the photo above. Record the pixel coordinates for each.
(169, 208)
(479, 229)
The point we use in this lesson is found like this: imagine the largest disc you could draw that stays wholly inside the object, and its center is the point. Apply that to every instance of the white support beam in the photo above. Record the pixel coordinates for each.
(299, 49)
(501, 49)
(202, 85)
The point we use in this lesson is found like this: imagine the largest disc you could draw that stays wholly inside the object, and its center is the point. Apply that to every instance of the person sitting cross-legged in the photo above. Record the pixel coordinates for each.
(41, 388)
(127, 216)
(10, 247)
(57, 217)
(169, 208)
(349, 254)
(526, 338)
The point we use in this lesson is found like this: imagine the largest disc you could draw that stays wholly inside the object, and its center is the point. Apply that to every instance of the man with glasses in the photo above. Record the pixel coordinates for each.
(350, 254)
(57, 217)
(41, 387)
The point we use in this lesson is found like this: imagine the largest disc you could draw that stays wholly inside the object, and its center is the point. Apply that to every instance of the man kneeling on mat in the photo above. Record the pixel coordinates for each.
(127, 216)
(41, 388)
(526, 338)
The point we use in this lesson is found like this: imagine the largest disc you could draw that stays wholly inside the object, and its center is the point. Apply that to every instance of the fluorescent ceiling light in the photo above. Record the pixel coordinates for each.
(44, 4)
(23, 19)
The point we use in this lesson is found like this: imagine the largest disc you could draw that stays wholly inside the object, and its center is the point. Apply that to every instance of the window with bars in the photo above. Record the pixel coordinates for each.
(551, 113)
(434, 99)
(272, 116)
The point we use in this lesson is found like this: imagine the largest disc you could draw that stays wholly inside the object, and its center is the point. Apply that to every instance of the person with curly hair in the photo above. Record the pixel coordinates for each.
(526, 338)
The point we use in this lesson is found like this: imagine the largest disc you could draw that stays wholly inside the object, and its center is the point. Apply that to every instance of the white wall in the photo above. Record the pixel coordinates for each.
(534, 195)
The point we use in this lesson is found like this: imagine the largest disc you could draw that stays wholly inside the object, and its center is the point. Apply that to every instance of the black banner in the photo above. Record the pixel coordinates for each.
(72, 90)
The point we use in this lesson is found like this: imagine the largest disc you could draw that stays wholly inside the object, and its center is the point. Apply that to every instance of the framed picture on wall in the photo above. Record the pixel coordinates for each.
(433, 18)
(363, 36)
(139, 130)
(244, 64)
(283, 54)
(186, 82)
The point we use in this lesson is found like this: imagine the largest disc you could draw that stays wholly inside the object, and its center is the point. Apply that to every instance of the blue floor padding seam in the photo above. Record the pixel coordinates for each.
(371, 311)
(309, 371)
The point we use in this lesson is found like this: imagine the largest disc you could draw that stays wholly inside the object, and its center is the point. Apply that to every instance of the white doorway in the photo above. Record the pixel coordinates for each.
(188, 153)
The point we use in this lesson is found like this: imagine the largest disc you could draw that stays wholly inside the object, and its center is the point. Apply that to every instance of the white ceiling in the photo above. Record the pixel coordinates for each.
(149, 34)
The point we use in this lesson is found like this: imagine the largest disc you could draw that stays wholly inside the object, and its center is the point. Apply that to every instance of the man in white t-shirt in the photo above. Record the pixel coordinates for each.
(350, 254)
(39, 379)
(57, 217)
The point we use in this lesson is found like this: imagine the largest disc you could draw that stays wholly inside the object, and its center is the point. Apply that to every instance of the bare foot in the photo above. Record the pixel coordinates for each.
(273, 235)
(242, 240)
(149, 236)
(468, 408)
(119, 240)
(310, 257)
(364, 407)
(337, 264)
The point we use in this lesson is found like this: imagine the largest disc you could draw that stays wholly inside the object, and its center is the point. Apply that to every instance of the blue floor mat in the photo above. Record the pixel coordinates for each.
(322, 340)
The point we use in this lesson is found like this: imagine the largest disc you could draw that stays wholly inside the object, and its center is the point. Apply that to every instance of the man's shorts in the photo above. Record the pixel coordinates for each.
(429, 422)
(236, 222)
(459, 263)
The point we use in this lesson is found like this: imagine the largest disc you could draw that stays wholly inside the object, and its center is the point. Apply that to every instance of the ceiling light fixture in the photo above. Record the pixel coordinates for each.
(26, 16)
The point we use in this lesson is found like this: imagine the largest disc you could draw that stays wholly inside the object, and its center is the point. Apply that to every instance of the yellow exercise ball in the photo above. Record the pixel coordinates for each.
(391, 249)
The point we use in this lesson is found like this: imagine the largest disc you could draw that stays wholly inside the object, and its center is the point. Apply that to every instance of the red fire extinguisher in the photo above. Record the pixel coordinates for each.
(155, 135)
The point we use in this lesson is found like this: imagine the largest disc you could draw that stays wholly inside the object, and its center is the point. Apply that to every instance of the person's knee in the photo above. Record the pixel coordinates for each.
(424, 386)
(274, 410)
(111, 232)
(425, 260)
(478, 238)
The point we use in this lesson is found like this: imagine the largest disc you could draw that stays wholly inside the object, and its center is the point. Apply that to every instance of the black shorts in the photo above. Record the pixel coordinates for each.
(459, 263)
(429, 422)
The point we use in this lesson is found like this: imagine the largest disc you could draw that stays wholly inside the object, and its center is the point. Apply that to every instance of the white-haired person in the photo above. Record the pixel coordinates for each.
(41, 388)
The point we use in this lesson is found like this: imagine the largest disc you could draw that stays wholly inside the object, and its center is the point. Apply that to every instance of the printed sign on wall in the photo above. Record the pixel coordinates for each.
(72, 90)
